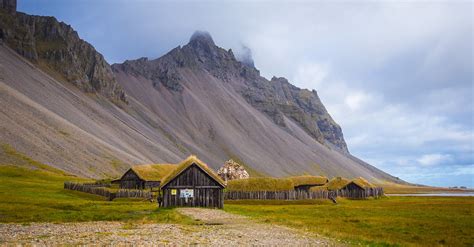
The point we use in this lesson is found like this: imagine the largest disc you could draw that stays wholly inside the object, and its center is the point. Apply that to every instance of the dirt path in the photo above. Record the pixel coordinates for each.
(218, 228)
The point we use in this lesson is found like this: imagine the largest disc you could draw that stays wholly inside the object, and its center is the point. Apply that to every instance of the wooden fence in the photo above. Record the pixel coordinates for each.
(105, 192)
(302, 195)
(233, 195)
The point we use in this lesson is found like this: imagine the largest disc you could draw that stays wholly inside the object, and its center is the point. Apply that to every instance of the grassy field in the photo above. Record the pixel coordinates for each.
(33, 192)
(387, 221)
(38, 196)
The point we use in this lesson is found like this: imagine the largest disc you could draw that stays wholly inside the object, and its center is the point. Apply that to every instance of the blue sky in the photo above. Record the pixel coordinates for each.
(396, 75)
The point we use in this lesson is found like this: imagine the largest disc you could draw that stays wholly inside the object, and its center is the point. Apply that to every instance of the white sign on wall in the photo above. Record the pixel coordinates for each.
(186, 193)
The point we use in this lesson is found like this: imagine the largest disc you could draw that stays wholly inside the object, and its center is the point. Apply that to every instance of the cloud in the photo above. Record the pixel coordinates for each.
(433, 159)
(311, 74)
(397, 76)
(356, 100)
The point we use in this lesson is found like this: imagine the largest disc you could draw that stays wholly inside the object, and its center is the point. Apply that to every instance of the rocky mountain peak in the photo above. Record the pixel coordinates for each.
(201, 46)
(56, 48)
(277, 97)
(201, 38)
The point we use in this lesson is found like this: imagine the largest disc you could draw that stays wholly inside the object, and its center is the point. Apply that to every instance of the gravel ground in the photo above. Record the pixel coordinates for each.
(218, 228)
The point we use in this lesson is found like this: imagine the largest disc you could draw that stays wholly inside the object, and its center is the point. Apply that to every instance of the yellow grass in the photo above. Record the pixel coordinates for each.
(153, 172)
(363, 183)
(394, 221)
(187, 163)
(308, 180)
(260, 184)
(337, 183)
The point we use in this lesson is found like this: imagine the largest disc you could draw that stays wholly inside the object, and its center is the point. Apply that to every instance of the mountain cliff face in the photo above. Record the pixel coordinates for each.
(196, 99)
(57, 48)
(276, 98)
(8, 5)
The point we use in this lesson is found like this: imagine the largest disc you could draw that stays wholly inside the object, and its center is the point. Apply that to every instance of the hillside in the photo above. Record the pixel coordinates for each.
(63, 105)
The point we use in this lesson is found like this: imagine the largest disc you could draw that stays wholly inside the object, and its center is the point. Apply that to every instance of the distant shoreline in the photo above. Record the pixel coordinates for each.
(438, 194)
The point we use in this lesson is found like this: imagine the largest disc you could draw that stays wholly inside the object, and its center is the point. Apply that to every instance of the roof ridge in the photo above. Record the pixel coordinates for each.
(191, 159)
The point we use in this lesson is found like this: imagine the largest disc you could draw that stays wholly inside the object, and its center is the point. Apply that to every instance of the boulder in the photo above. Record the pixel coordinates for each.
(232, 170)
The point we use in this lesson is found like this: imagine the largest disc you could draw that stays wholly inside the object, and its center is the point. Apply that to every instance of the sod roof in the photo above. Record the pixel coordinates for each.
(363, 183)
(308, 180)
(337, 183)
(260, 184)
(187, 163)
(153, 172)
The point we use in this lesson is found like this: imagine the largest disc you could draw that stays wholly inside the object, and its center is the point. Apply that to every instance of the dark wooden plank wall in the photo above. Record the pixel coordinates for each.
(207, 192)
(353, 187)
(203, 197)
(192, 176)
(152, 184)
(130, 180)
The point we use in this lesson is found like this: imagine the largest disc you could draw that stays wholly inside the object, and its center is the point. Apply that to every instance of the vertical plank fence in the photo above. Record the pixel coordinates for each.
(105, 192)
(302, 195)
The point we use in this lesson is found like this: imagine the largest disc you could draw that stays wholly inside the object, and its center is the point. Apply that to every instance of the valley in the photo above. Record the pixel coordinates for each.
(267, 164)
(33, 199)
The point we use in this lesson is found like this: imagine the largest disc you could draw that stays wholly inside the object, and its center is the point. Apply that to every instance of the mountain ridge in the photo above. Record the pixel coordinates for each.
(275, 98)
(196, 99)
(56, 47)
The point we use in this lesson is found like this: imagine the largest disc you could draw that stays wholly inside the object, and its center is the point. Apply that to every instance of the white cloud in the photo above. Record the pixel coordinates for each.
(397, 76)
(311, 74)
(433, 159)
(357, 100)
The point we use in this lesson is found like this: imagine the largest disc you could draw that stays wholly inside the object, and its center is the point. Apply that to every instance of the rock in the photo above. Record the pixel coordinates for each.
(276, 98)
(57, 49)
(232, 170)
(201, 37)
(8, 5)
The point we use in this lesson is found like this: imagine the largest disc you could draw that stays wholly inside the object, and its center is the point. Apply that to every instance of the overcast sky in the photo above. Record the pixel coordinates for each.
(396, 76)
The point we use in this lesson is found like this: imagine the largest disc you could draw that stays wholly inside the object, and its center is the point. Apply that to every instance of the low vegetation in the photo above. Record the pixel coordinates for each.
(38, 196)
(391, 188)
(337, 183)
(427, 221)
(33, 192)
(260, 184)
(10, 156)
(307, 179)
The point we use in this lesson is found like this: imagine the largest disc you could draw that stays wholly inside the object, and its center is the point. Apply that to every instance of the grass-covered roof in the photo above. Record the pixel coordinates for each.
(337, 183)
(187, 163)
(363, 183)
(260, 184)
(153, 172)
(308, 180)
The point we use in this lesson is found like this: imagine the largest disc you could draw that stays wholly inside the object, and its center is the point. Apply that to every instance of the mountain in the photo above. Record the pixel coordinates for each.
(55, 47)
(278, 99)
(63, 105)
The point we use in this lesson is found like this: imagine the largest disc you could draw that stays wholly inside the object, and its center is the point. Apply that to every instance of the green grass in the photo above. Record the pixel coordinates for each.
(31, 191)
(405, 221)
(260, 184)
(38, 196)
(10, 156)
